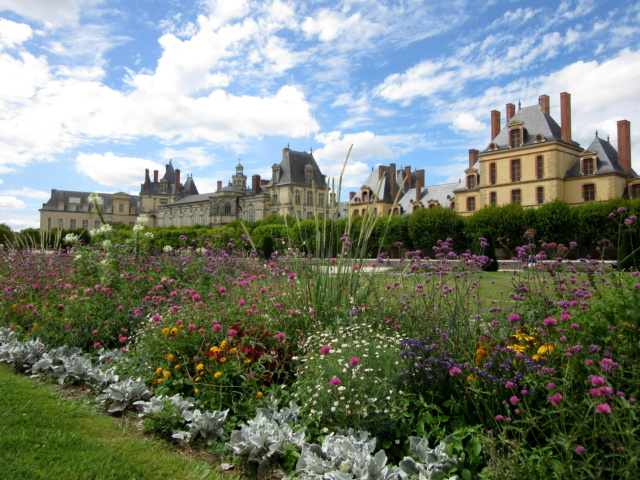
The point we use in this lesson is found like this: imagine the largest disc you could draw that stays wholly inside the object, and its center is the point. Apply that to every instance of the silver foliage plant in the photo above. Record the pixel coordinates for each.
(121, 395)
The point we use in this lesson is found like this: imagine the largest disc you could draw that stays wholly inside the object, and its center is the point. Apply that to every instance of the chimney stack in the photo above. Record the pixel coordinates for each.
(418, 189)
(565, 117)
(624, 145)
(393, 186)
(147, 180)
(155, 176)
(407, 173)
(511, 111)
(495, 124)
(255, 184)
(351, 195)
(219, 185)
(177, 181)
(473, 157)
(544, 104)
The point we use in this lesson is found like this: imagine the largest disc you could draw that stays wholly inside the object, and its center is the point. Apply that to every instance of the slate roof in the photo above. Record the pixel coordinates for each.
(442, 194)
(170, 177)
(292, 169)
(190, 187)
(65, 196)
(606, 160)
(535, 122)
(203, 197)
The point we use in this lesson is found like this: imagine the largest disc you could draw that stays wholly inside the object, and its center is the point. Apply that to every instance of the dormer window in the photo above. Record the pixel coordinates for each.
(588, 167)
(471, 180)
(515, 137)
(308, 174)
(275, 174)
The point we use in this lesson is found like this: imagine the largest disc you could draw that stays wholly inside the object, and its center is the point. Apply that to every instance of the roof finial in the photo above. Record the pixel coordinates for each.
(311, 149)
(608, 139)
(519, 106)
(287, 144)
(596, 133)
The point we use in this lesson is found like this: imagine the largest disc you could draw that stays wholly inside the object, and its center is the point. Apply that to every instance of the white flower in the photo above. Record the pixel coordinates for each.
(167, 249)
(149, 235)
(70, 238)
(138, 228)
(142, 220)
(95, 199)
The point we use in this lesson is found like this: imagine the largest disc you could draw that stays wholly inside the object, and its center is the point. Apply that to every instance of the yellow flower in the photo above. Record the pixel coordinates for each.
(259, 395)
(223, 343)
(170, 357)
(174, 330)
(525, 337)
(247, 360)
(516, 348)
(223, 359)
(167, 373)
(214, 349)
(196, 390)
(544, 349)
(199, 367)
(233, 350)
(165, 331)
(537, 357)
(160, 380)
(197, 379)
(159, 370)
(217, 374)
(177, 367)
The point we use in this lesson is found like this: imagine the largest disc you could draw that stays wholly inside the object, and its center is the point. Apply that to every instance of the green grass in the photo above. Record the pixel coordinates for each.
(43, 435)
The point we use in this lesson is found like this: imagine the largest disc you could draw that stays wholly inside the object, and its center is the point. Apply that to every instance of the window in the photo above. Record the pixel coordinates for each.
(515, 138)
(85, 224)
(309, 197)
(251, 214)
(196, 217)
(540, 195)
(516, 196)
(587, 166)
(297, 197)
(60, 224)
(308, 174)
(163, 202)
(309, 215)
(589, 192)
(471, 181)
(48, 224)
(493, 174)
(453, 205)
(539, 167)
(227, 208)
(493, 198)
(515, 170)
(96, 224)
(120, 208)
(635, 191)
(274, 199)
(72, 223)
(321, 199)
(471, 204)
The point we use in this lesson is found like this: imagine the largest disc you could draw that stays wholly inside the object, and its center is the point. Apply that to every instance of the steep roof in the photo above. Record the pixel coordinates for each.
(66, 196)
(190, 187)
(606, 159)
(442, 194)
(292, 169)
(536, 122)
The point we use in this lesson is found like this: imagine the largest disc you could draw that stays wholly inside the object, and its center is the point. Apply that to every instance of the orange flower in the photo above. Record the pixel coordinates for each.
(259, 394)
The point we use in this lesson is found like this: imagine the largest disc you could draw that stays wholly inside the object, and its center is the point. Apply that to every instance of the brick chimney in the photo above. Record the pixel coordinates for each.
(351, 195)
(177, 181)
(511, 111)
(495, 124)
(544, 104)
(155, 176)
(219, 185)
(565, 117)
(420, 175)
(147, 180)
(255, 184)
(381, 172)
(624, 145)
(418, 189)
(393, 186)
(407, 174)
(473, 157)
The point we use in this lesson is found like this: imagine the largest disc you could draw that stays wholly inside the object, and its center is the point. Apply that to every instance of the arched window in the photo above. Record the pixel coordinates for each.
(206, 216)
(251, 213)
(196, 217)
(176, 219)
(166, 220)
(227, 208)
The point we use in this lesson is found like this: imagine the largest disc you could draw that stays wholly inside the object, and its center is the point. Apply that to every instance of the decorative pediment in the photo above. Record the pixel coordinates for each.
(588, 153)
(515, 124)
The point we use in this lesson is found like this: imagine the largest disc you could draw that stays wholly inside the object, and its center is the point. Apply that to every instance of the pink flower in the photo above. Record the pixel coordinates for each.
(354, 361)
(549, 321)
(499, 417)
(606, 390)
(335, 381)
(514, 400)
(195, 298)
(291, 276)
(595, 392)
(455, 371)
(333, 260)
(222, 289)
(356, 267)
(281, 336)
(596, 381)
(231, 332)
(556, 399)
(588, 362)
(67, 326)
(325, 349)
(217, 327)
(191, 326)
(603, 408)
(551, 386)
(97, 345)
(575, 326)
(579, 449)
(509, 385)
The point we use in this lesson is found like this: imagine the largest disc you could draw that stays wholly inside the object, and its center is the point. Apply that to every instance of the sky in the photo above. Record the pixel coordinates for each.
(92, 92)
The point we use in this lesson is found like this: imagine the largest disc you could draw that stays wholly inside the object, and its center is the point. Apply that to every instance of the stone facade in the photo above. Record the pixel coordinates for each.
(532, 160)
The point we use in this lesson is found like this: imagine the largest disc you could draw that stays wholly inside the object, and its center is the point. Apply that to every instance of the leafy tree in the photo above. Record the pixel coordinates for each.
(428, 225)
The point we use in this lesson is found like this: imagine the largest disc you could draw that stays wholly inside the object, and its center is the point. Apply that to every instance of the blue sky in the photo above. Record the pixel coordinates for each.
(92, 92)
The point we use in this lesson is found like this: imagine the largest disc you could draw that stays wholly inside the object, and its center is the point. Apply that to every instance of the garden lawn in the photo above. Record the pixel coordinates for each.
(43, 435)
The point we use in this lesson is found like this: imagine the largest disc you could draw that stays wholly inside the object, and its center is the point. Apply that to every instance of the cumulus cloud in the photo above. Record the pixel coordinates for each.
(12, 33)
(466, 121)
(60, 12)
(11, 203)
(114, 171)
(27, 192)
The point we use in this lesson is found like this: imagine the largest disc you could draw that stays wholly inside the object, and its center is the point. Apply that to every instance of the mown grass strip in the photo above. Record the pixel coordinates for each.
(43, 435)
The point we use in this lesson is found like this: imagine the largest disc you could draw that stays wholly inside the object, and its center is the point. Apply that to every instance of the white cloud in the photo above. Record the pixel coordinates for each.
(51, 13)
(20, 222)
(11, 203)
(114, 171)
(12, 33)
(28, 192)
(191, 157)
(466, 121)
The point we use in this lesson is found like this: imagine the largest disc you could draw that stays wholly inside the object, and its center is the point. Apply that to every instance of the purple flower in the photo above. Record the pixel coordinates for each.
(281, 336)
(325, 349)
(336, 381)
(499, 417)
(514, 400)
(595, 392)
(354, 361)
(603, 408)
(579, 449)
(514, 317)
(556, 399)
(551, 386)
(509, 385)
(549, 321)
(596, 381)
